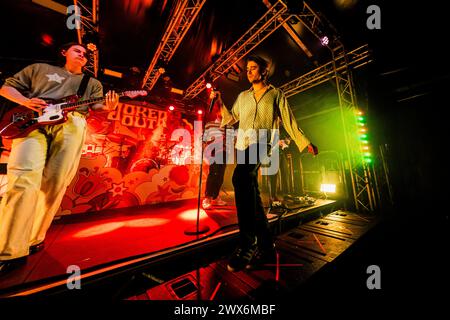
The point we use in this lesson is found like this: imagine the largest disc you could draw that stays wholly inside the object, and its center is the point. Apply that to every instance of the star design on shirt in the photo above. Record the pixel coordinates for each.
(55, 77)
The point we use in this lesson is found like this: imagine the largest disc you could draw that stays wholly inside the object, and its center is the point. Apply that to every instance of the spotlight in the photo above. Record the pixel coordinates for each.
(46, 39)
(171, 108)
(324, 40)
(91, 46)
(208, 85)
(328, 187)
(112, 73)
(199, 111)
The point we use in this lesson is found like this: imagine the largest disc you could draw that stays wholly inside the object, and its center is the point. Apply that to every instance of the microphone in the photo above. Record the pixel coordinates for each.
(211, 103)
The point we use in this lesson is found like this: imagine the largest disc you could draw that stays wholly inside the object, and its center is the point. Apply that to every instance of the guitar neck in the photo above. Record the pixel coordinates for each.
(74, 105)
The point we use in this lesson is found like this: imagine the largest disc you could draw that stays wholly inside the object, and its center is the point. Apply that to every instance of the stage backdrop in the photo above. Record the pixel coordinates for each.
(129, 159)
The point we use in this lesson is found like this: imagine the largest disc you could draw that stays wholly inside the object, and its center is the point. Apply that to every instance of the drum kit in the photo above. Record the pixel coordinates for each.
(130, 155)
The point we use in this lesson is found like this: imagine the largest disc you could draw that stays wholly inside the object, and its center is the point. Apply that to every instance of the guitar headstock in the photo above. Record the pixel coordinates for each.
(135, 93)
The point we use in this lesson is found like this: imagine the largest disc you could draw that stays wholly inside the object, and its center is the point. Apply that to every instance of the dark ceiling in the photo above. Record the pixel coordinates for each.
(130, 31)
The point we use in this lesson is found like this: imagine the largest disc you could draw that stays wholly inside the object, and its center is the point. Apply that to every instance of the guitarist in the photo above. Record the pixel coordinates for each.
(42, 164)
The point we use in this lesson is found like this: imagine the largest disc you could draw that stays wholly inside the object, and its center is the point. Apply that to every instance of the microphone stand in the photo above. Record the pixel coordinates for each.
(200, 229)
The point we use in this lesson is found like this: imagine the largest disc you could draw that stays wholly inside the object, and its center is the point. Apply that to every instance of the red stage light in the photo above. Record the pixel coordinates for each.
(47, 40)
(199, 111)
(171, 108)
(99, 229)
(208, 85)
(191, 215)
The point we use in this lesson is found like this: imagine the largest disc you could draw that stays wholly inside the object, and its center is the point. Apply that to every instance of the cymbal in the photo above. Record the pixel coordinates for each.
(121, 139)
(98, 135)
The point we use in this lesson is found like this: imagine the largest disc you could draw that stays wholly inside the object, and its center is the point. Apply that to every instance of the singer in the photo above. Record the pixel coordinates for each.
(257, 108)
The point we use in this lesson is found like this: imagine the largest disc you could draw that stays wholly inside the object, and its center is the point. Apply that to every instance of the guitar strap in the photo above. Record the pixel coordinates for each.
(83, 85)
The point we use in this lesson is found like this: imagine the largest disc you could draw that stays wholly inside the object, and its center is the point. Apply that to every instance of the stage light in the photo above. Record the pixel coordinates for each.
(208, 85)
(327, 187)
(146, 222)
(91, 46)
(324, 40)
(199, 111)
(191, 215)
(47, 40)
(171, 108)
(99, 229)
(177, 91)
(112, 73)
(363, 136)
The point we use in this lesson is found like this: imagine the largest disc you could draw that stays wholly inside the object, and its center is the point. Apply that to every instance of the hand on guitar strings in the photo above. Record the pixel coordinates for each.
(35, 104)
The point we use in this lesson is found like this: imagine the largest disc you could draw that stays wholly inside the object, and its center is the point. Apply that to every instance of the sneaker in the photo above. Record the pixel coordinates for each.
(206, 203)
(241, 258)
(220, 202)
(9, 265)
(36, 248)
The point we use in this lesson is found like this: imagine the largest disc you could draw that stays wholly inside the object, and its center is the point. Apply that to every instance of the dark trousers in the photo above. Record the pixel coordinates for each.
(215, 179)
(253, 224)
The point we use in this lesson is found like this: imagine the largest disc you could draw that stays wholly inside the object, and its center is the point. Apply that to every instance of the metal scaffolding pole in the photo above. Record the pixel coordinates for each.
(264, 27)
(89, 24)
(183, 16)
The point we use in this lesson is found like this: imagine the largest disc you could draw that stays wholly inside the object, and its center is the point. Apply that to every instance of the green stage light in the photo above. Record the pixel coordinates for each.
(328, 187)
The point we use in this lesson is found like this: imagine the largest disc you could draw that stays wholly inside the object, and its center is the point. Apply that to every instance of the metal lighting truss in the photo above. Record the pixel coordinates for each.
(89, 24)
(183, 16)
(339, 68)
(356, 58)
(264, 27)
(361, 173)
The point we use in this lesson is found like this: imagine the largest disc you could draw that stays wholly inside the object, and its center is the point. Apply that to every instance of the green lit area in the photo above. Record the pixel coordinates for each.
(363, 137)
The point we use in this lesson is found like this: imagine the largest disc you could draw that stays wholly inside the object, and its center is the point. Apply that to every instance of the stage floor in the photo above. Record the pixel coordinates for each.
(92, 241)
